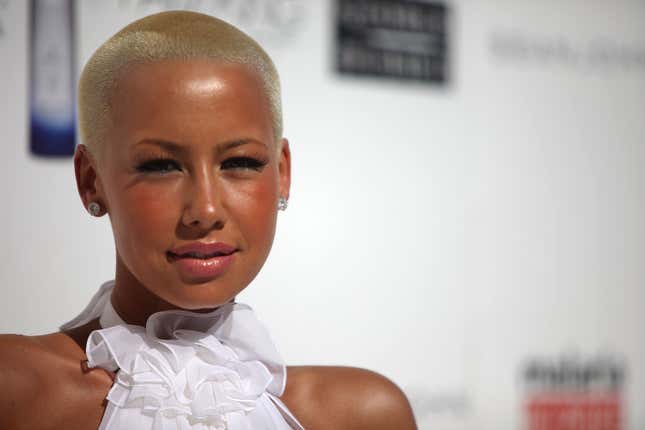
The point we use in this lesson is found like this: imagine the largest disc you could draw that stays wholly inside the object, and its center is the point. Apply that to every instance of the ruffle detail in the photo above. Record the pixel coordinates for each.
(188, 370)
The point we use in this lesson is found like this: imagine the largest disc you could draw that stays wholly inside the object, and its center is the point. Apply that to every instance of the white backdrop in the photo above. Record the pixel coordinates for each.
(441, 235)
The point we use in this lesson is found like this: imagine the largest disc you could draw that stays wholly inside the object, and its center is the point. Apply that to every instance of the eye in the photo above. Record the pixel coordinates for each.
(243, 163)
(158, 165)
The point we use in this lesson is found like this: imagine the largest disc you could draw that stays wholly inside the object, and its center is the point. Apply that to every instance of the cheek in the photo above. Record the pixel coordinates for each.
(145, 214)
(253, 207)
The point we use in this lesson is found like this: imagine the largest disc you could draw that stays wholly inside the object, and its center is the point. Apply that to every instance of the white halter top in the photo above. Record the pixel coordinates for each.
(187, 370)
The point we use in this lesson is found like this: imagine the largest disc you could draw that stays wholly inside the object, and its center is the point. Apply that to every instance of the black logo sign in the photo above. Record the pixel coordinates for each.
(570, 373)
(399, 39)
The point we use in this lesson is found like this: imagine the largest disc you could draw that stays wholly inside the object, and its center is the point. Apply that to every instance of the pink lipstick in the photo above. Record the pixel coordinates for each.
(200, 262)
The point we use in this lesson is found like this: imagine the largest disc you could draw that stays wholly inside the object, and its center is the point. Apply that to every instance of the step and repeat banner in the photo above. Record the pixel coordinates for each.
(468, 202)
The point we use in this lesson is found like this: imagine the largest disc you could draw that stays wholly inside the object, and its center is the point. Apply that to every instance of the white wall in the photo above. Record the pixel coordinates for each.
(439, 235)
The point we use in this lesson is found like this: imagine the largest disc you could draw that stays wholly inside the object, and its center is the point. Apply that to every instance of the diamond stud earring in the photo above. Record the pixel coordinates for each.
(94, 208)
(282, 204)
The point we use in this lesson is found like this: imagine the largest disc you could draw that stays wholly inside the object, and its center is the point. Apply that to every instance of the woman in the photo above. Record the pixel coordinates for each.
(181, 126)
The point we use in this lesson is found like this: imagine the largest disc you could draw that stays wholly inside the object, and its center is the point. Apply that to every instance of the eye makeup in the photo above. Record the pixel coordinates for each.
(243, 163)
(158, 165)
(155, 161)
(159, 161)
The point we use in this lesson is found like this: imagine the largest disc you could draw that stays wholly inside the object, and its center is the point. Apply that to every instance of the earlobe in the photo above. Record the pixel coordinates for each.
(86, 181)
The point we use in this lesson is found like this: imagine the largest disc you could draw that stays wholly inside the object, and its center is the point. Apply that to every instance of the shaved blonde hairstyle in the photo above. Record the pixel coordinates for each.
(167, 36)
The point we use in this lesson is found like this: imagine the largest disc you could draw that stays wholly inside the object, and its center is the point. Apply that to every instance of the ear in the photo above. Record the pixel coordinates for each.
(284, 168)
(87, 181)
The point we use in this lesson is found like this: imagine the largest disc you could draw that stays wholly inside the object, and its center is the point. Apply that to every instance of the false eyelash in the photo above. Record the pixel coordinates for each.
(243, 163)
(158, 165)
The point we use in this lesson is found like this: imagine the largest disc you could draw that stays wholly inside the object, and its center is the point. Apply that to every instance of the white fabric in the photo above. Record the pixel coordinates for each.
(187, 370)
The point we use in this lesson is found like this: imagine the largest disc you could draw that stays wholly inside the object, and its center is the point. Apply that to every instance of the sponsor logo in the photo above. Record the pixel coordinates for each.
(572, 393)
(600, 54)
(4, 5)
(271, 21)
(397, 39)
(432, 408)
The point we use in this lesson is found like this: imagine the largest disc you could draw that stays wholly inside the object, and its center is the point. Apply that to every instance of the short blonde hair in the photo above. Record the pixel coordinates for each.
(167, 36)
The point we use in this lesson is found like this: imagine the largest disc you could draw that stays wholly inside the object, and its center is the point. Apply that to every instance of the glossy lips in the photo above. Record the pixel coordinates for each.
(199, 261)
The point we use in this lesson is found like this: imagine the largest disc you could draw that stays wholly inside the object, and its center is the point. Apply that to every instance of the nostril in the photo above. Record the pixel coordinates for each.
(216, 224)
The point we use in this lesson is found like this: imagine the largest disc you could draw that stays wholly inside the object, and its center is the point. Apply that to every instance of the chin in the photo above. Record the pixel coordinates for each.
(193, 296)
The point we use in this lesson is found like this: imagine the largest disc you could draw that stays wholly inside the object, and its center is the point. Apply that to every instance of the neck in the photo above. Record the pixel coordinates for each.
(132, 301)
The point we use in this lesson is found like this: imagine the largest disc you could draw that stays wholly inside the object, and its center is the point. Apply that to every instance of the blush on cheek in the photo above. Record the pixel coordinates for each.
(148, 212)
(260, 207)
(148, 201)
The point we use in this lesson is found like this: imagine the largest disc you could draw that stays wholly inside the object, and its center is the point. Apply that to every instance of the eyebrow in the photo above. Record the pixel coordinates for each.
(180, 149)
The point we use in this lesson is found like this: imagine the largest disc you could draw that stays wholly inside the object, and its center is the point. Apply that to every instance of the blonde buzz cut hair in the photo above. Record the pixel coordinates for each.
(173, 35)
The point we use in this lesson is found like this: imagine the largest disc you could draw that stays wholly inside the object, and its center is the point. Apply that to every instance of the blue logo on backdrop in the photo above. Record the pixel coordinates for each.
(52, 101)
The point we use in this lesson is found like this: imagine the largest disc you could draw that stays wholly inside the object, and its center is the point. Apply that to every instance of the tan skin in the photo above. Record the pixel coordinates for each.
(190, 156)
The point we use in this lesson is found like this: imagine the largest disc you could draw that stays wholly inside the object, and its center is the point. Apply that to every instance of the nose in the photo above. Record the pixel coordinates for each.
(203, 209)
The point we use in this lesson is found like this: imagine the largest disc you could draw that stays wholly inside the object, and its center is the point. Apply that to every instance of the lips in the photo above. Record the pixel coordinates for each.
(198, 261)
(202, 250)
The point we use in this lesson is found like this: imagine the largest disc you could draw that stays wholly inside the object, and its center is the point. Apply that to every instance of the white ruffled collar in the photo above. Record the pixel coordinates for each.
(188, 370)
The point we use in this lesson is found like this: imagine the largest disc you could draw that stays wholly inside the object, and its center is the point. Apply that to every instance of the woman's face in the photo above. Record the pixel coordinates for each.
(190, 176)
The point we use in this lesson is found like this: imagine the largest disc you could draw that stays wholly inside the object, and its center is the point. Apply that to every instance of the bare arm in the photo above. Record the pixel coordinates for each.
(5, 404)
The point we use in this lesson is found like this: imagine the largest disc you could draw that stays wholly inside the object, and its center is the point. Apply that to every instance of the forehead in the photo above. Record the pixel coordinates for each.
(185, 99)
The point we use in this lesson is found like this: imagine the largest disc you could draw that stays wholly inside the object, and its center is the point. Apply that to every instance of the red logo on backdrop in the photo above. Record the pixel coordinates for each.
(574, 394)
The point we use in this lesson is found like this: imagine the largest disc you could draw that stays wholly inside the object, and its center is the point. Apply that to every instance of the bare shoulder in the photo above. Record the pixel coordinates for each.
(44, 371)
(26, 358)
(18, 356)
(324, 397)
(20, 376)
